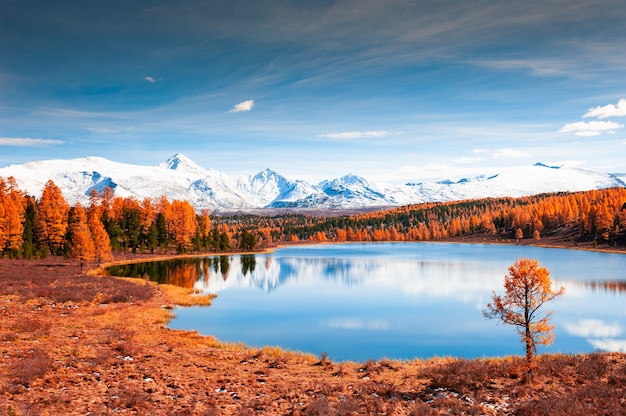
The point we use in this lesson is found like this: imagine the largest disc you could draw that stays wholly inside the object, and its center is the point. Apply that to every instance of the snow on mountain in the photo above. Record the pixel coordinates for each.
(268, 187)
(181, 178)
(182, 163)
(518, 181)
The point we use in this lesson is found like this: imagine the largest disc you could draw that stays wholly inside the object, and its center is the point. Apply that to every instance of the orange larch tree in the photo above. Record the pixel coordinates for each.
(204, 226)
(52, 218)
(100, 239)
(148, 215)
(527, 288)
(12, 210)
(82, 246)
(182, 224)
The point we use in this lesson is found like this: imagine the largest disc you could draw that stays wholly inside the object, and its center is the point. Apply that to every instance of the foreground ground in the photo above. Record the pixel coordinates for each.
(72, 343)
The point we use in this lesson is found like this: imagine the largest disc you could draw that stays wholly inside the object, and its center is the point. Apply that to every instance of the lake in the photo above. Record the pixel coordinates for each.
(393, 300)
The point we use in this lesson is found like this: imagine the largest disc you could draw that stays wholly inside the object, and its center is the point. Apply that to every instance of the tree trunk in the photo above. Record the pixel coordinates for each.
(528, 376)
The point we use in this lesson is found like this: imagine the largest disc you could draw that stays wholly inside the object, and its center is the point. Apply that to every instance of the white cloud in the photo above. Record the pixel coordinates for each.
(151, 80)
(609, 110)
(509, 154)
(592, 128)
(594, 328)
(243, 106)
(27, 142)
(356, 134)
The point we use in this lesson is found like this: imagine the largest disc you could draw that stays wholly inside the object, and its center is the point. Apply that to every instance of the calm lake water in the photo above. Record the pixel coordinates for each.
(394, 300)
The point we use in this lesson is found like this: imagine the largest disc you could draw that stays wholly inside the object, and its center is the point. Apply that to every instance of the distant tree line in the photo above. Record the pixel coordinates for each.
(598, 216)
(108, 223)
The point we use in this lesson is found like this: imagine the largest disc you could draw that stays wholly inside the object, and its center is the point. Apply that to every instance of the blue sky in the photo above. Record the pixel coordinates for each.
(392, 90)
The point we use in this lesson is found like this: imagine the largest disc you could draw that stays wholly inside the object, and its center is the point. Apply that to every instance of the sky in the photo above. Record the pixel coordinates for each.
(391, 90)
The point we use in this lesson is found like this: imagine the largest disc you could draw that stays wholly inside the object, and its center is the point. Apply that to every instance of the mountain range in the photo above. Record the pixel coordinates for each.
(181, 178)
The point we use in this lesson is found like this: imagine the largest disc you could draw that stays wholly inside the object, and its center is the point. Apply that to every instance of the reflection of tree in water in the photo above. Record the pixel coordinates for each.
(219, 264)
(183, 273)
(224, 266)
(617, 287)
(206, 267)
(248, 263)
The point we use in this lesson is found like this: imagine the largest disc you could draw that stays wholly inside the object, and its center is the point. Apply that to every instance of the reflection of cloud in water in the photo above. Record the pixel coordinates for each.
(601, 335)
(609, 344)
(594, 328)
(355, 323)
(465, 281)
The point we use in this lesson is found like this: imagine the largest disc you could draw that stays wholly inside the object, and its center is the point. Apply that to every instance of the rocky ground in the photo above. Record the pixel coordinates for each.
(75, 343)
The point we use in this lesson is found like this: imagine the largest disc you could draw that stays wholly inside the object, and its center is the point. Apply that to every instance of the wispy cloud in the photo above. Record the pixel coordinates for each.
(509, 154)
(540, 67)
(243, 106)
(609, 110)
(151, 80)
(110, 130)
(28, 142)
(591, 128)
(350, 135)
(468, 159)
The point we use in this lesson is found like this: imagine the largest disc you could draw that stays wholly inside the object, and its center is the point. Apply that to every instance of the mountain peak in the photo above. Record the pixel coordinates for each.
(346, 180)
(543, 165)
(267, 173)
(181, 162)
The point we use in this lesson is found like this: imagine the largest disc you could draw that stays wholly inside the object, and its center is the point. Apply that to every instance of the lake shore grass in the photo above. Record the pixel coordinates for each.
(78, 343)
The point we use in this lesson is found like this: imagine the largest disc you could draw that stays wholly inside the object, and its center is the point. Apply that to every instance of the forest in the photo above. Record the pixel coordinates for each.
(37, 228)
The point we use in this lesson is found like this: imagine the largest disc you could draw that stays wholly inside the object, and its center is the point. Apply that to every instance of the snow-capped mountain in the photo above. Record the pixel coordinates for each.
(181, 178)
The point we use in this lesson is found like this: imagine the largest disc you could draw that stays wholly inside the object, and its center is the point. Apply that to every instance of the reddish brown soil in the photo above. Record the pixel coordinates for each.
(71, 343)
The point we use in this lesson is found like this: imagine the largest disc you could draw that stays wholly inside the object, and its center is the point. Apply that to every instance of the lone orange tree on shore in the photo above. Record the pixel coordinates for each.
(527, 288)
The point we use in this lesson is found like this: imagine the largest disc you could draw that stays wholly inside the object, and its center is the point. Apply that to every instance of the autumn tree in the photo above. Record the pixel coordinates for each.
(204, 227)
(100, 238)
(527, 289)
(81, 244)
(52, 212)
(12, 209)
(182, 224)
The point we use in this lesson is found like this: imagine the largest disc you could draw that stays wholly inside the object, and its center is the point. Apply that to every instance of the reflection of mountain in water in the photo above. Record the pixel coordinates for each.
(463, 280)
(246, 272)
(466, 280)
